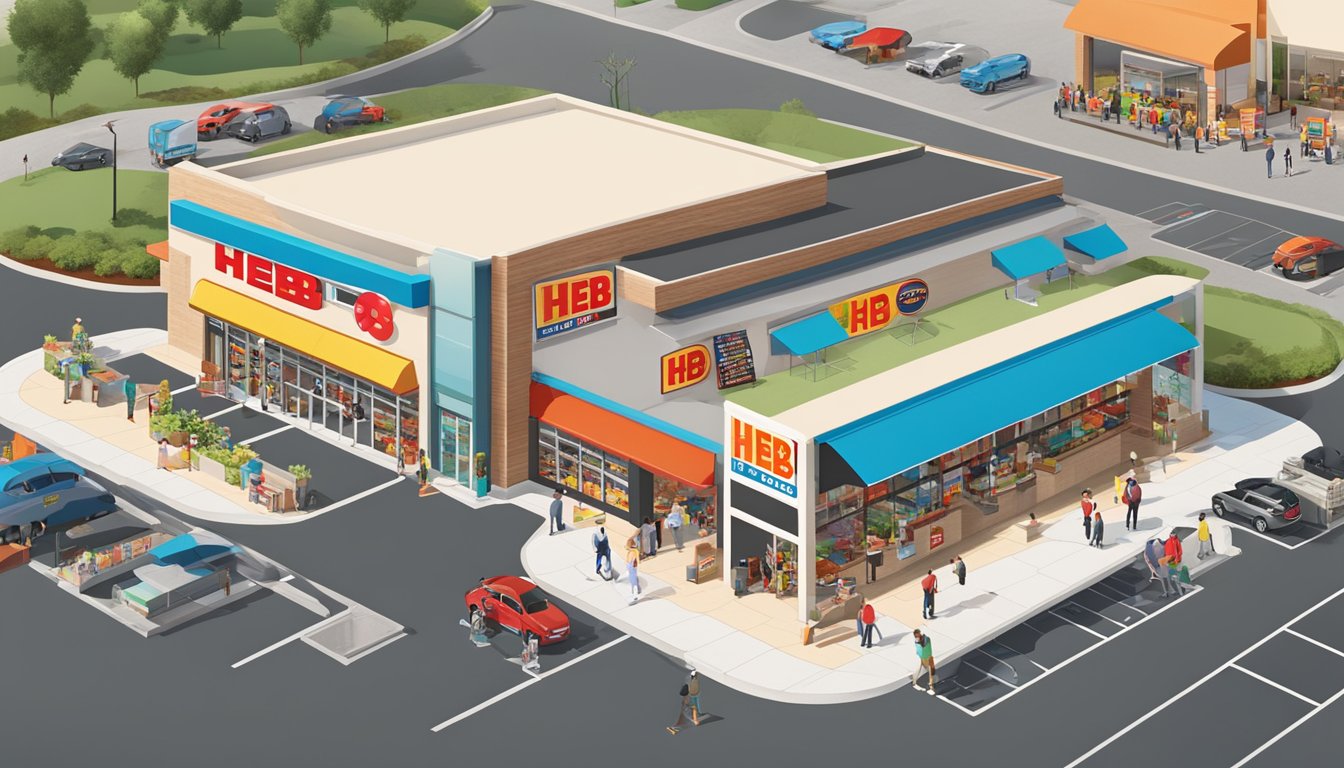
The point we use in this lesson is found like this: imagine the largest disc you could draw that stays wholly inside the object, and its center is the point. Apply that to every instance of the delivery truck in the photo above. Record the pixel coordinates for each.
(171, 142)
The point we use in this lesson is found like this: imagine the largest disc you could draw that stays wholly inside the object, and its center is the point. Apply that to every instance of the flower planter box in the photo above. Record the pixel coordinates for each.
(178, 439)
(209, 466)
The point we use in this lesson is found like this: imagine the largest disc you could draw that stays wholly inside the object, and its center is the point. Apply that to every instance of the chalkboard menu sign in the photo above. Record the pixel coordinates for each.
(732, 355)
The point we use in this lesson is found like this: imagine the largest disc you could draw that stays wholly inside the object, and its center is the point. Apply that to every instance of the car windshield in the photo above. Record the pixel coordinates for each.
(78, 148)
(534, 601)
(1278, 494)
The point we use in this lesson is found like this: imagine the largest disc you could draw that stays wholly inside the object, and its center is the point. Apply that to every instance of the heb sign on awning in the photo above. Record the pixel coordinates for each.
(575, 301)
(874, 310)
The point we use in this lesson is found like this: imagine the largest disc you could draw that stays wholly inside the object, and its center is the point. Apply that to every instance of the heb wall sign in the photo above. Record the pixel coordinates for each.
(686, 367)
(572, 302)
(764, 458)
(876, 309)
(936, 536)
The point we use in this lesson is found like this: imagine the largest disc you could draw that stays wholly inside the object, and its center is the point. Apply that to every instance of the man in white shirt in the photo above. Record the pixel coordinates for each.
(675, 518)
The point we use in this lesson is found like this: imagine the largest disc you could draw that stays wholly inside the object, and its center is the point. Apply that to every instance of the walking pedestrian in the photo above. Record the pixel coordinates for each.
(1292, 115)
(869, 618)
(874, 558)
(557, 511)
(959, 568)
(1269, 158)
(602, 546)
(1097, 526)
(1244, 146)
(646, 537)
(676, 517)
(129, 388)
(924, 652)
(1172, 551)
(632, 568)
(1302, 148)
(423, 472)
(1153, 119)
(1199, 135)
(693, 695)
(1287, 161)
(930, 586)
(1205, 538)
(1152, 557)
(685, 694)
(1132, 496)
(1088, 506)
(163, 454)
(1057, 108)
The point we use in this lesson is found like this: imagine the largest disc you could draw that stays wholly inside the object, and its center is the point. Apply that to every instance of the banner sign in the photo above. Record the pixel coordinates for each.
(573, 302)
(732, 355)
(874, 310)
(686, 367)
(763, 457)
(935, 536)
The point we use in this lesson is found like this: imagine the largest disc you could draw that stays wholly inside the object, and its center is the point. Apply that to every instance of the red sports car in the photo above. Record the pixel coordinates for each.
(517, 605)
(1303, 258)
(212, 120)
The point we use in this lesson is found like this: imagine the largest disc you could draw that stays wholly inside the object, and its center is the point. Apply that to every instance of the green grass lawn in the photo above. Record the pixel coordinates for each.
(794, 134)
(1253, 342)
(54, 198)
(256, 51)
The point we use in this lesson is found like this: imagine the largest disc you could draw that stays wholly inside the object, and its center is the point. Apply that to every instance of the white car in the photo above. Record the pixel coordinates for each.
(946, 58)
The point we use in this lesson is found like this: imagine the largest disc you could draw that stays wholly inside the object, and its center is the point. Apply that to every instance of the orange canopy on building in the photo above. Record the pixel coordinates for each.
(1215, 35)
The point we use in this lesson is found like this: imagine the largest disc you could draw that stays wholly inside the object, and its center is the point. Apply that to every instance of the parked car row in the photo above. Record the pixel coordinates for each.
(980, 72)
(1271, 504)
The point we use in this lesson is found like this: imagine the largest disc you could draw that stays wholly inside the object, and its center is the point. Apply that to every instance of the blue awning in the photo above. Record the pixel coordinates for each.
(811, 334)
(936, 422)
(1027, 258)
(1098, 242)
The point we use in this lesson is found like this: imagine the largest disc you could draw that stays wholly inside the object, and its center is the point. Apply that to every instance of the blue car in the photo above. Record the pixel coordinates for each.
(47, 488)
(986, 76)
(171, 142)
(344, 111)
(837, 34)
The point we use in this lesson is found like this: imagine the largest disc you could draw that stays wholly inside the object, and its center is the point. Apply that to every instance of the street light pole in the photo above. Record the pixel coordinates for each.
(108, 126)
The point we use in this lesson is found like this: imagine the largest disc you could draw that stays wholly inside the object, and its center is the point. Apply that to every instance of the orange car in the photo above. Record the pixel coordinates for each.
(1304, 258)
(212, 120)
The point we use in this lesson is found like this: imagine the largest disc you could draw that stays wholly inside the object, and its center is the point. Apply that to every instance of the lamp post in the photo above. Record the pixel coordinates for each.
(108, 126)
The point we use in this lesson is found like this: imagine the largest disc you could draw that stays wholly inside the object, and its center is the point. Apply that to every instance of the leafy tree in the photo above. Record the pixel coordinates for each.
(614, 74)
(54, 38)
(387, 12)
(133, 45)
(305, 21)
(161, 13)
(215, 16)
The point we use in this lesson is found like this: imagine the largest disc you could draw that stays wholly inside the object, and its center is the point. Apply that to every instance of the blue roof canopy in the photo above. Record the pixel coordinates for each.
(954, 415)
(1027, 258)
(811, 334)
(1099, 242)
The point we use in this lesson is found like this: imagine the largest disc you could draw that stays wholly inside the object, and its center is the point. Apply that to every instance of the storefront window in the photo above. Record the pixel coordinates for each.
(617, 492)
(455, 447)
(701, 504)
(546, 453)
(1105, 65)
(1072, 424)
(1162, 84)
(564, 459)
(841, 541)
(838, 502)
(1323, 78)
(1173, 388)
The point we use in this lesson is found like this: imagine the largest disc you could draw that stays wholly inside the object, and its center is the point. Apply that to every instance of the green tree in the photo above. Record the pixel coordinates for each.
(133, 45)
(215, 16)
(54, 38)
(614, 75)
(387, 12)
(305, 21)
(161, 13)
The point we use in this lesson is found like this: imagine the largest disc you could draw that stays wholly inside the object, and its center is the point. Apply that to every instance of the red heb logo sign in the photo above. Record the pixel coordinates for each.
(684, 368)
(764, 457)
(570, 302)
(263, 274)
(936, 536)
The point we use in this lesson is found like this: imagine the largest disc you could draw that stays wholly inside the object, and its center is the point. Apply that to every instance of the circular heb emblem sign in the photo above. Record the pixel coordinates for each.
(911, 296)
(373, 315)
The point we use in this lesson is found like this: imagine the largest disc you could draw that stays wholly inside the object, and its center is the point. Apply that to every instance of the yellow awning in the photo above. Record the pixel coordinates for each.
(359, 359)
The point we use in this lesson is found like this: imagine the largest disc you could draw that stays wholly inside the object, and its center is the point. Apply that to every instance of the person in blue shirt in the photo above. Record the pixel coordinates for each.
(1269, 161)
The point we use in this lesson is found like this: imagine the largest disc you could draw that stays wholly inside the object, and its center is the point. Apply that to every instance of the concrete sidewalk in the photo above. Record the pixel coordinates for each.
(754, 643)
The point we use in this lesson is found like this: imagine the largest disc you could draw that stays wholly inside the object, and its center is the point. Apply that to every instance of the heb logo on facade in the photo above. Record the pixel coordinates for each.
(684, 368)
(911, 296)
(764, 457)
(265, 275)
(874, 310)
(572, 302)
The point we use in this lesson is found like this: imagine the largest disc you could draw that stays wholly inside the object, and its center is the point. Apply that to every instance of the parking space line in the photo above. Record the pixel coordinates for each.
(1050, 670)
(970, 712)
(1308, 541)
(505, 694)
(362, 494)
(1289, 729)
(1271, 683)
(1195, 245)
(265, 435)
(1178, 206)
(291, 638)
(180, 390)
(1117, 600)
(1088, 630)
(1266, 537)
(1195, 685)
(1314, 641)
(987, 673)
(1252, 245)
(230, 409)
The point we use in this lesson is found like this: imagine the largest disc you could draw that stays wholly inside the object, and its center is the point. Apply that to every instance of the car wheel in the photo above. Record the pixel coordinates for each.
(1025, 74)
(937, 72)
(992, 86)
(254, 138)
(285, 131)
(327, 127)
(1261, 525)
(213, 133)
(1218, 509)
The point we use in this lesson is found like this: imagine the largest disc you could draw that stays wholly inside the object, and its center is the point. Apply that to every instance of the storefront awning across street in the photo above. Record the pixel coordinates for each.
(946, 418)
(392, 372)
(811, 334)
(1215, 35)
(1099, 242)
(1029, 257)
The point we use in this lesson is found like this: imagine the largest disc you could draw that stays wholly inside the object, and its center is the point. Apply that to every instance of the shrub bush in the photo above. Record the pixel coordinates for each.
(109, 262)
(135, 217)
(14, 239)
(138, 264)
(796, 107)
(80, 251)
(16, 122)
(187, 94)
(37, 247)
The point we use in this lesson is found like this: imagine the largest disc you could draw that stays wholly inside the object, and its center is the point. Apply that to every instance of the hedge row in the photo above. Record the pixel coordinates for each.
(106, 252)
(1246, 366)
(17, 122)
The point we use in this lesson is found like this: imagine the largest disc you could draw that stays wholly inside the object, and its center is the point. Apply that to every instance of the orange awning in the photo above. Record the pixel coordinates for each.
(651, 449)
(158, 250)
(1180, 29)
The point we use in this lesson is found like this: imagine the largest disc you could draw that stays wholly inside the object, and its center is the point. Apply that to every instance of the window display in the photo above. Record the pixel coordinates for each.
(842, 541)
(564, 459)
(701, 505)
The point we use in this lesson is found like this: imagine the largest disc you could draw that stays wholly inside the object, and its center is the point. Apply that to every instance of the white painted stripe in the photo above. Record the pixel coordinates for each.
(362, 494)
(1257, 534)
(1289, 729)
(1314, 641)
(1088, 630)
(180, 390)
(500, 697)
(226, 410)
(265, 435)
(289, 577)
(1190, 688)
(1099, 613)
(290, 639)
(990, 674)
(1273, 684)
(958, 706)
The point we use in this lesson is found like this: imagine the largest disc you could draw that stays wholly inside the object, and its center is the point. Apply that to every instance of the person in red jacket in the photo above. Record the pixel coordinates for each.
(1172, 550)
(869, 618)
(1089, 507)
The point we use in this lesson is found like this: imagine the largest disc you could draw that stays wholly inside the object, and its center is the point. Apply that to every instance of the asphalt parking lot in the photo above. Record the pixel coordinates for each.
(338, 474)
(1291, 537)
(143, 369)
(1222, 235)
(997, 670)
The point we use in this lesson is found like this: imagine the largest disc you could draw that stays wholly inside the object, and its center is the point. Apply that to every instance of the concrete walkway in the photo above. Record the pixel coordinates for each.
(754, 644)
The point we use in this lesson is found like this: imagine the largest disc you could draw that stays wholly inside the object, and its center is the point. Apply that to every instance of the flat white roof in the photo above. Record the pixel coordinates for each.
(875, 393)
(507, 178)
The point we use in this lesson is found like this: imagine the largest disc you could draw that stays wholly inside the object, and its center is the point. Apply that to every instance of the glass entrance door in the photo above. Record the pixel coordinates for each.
(455, 446)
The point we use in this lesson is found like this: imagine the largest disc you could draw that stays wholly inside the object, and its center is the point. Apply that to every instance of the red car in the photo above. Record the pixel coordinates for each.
(517, 605)
(213, 119)
(1304, 258)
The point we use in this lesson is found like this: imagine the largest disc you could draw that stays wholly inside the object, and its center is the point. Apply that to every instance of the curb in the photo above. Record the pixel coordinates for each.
(1296, 389)
(78, 282)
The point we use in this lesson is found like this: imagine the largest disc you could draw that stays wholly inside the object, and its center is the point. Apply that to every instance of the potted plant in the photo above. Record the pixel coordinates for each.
(482, 477)
(163, 399)
(302, 474)
(169, 424)
(50, 343)
(211, 461)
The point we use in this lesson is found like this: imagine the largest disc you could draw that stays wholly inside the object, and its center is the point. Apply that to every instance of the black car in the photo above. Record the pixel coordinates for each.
(259, 124)
(1262, 502)
(83, 156)
(1324, 462)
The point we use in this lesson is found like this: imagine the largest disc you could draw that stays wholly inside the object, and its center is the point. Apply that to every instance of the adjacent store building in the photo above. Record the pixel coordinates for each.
(1307, 52)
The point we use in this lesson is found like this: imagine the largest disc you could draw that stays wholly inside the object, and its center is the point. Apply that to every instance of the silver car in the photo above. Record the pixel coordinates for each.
(946, 58)
(1258, 499)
